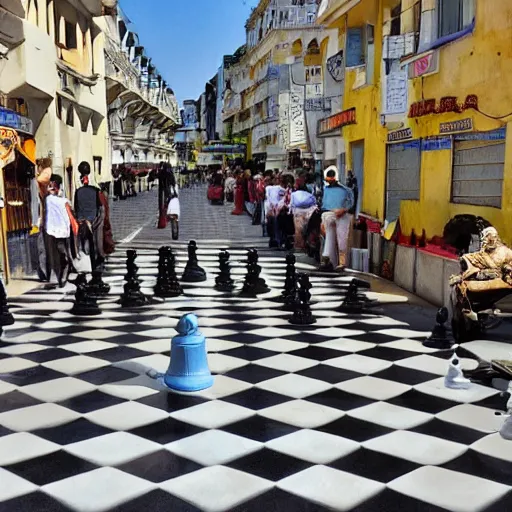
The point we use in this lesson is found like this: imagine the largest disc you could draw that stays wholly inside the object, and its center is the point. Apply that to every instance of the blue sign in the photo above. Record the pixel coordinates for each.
(11, 119)
(436, 143)
(499, 134)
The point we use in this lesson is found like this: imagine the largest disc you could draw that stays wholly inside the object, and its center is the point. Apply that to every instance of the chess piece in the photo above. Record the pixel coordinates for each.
(254, 285)
(131, 267)
(454, 378)
(302, 314)
(188, 369)
(132, 296)
(6, 317)
(354, 302)
(223, 281)
(290, 283)
(440, 337)
(85, 303)
(97, 287)
(193, 272)
(167, 284)
(506, 428)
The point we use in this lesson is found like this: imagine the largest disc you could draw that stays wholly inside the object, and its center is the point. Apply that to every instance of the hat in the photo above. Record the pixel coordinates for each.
(329, 169)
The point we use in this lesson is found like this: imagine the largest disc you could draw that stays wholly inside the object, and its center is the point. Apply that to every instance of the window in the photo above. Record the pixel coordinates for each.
(58, 107)
(396, 12)
(477, 176)
(454, 16)
(70, 116)
(70, 33)
(355, 51)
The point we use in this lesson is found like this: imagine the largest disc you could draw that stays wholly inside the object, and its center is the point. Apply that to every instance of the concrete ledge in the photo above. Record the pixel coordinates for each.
(405, 267)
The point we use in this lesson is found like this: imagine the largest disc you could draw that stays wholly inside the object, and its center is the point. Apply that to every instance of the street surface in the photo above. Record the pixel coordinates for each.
(348, 414)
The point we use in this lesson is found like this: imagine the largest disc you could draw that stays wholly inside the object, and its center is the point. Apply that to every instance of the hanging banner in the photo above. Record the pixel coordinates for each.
(8, 141)
(336, 66)
(283, 127)
(395, 99)
(297, 118)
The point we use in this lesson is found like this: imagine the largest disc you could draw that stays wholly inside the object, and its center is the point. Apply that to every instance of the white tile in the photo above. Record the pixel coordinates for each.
(164, 333)
(296, 386)
(223, 386)
(213, 447)
(331, 488)
(54, 325)
(131, 389)
(15, 364)
(12, 486)
(472, 416)
(269, 322)
(450, 490)
(390, 416)
(382, 320)
(216, 345)
(113, 449)
(76, 364)
(263, 313)
(338, 332)
(333, 322)
(213, 322)
(162, 321)
(475, 393)
(161, 346)
(220, 363)
(415, 447)
(102, 323)
(360, 364)
(409, 345)
(23, 446)
(98, 334)
(59, 389)
(126, 416)
(6, 387)
(494, 446)
(280, 345)
(301, 413)
(26, 348)
(217, 488)
(372, 387)
(404, 333)
(490, 350)
(425, 363)
(313, 446)
(214, 414)
(273, 332)
(347, 345)
(36, 417)
(98, 490)
(86, 347)
(141, 365)
(213, 332)
(286, 362)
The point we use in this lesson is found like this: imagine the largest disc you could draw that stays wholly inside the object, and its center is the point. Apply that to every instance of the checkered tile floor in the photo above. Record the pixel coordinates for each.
(349, 414)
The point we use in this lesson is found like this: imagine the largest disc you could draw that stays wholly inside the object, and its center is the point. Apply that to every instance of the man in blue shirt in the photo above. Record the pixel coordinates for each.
(337, 221)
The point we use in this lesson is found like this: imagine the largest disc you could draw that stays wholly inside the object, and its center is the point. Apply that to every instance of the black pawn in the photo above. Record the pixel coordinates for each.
(223, 281)
(6, 317)
(193, 273)
(167, 284)
(441, 337)
(85, 303)
(302, 314)
(290, 283)
(356, 303)
(97, 287)
(132, 296)
(254, 285)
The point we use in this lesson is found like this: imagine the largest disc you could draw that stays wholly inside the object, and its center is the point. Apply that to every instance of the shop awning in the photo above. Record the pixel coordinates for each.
(9, 142)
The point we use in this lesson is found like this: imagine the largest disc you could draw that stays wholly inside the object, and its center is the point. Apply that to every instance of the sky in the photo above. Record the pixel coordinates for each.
(187, 39)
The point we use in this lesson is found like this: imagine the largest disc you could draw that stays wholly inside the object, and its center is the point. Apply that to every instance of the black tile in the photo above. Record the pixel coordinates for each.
(170, 402)
(50, 468)
(318, 353)
(259, 428)
(16, 400)
(254, 373)
(106, 375)
(496, 402)
(449, 431)
(33, 375)
(92, 401)
(73, 432)
(159, 467)
(256, 399)
(166, 431)
(373, 465)
(249, 353)
(391, 501)
(33, 502)
(352, 428)
(405, 375)
(245, 337)
(388, 353)
(373, 337)
(4, 431)
(277, 500)
(49, 354)
(308, 337)
(338, 399)
(500, 505)
(156, 501)
(418, 401)
(237, 326)
(329, 374)
(482, 466)
(269, 464)
(116, 354)
(127, 338)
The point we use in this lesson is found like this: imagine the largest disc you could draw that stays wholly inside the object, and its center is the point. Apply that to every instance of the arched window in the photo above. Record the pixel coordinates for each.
(297, 48)
(313, 56)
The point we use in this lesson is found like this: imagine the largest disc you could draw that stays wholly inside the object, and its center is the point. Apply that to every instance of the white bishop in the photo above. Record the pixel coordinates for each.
(454, 378)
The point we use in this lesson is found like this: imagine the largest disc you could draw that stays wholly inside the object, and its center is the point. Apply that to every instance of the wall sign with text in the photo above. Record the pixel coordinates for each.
(397, 135)
(462, 125)
(335, 122)
(446, 104)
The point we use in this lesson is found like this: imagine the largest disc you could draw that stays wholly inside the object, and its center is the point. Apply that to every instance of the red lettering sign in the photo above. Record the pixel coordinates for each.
(336, 121)
(446, 104)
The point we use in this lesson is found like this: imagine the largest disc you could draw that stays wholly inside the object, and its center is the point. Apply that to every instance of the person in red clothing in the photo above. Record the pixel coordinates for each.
(239, 195)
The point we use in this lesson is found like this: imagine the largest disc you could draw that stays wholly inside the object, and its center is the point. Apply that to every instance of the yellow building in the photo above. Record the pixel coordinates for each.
(432, 97)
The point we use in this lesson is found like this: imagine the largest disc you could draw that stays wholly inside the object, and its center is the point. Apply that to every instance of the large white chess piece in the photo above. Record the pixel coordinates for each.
(506, 429)
(454, 378)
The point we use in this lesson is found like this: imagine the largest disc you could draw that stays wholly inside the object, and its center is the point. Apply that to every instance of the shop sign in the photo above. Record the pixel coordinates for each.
(445, 105)
(336, 121)
(436, 143)
(424, 65)
(499, 134)
(461, 125)
(397, 135)
(16, 121)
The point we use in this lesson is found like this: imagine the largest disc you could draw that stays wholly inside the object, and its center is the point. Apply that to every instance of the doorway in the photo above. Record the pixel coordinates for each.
(357, 150)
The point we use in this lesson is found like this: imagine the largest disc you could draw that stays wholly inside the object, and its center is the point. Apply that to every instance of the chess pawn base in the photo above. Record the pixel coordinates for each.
(132, 296)
(302, 317)
(352, 308)
(89, 308)
(168, 290)
(98, 288)
(193, 275)
(439, 339)
(6, 318)
(248, 292)
(227, 285)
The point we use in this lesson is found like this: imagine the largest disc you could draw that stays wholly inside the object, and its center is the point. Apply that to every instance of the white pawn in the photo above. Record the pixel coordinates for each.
(506, 428)
(454, 378)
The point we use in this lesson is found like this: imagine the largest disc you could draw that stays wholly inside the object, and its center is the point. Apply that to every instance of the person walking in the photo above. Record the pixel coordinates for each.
(302, 206)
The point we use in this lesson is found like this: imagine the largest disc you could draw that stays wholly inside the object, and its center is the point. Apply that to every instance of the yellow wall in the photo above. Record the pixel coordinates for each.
(477, 64)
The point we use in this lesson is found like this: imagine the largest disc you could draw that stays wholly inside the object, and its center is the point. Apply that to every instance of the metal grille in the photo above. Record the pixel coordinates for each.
(477, 176)
(403, 176)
